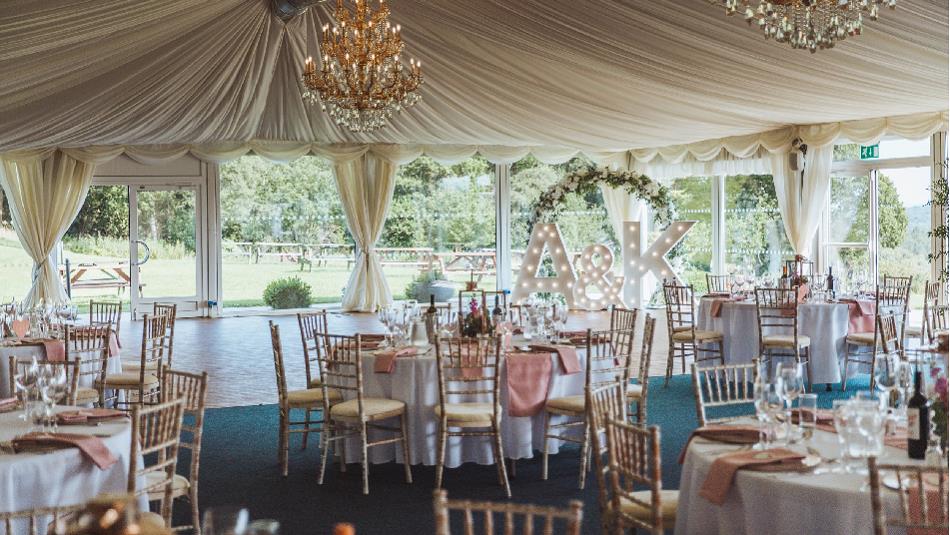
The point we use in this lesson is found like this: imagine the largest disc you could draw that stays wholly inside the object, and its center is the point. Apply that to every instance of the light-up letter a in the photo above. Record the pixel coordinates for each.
(545, 237)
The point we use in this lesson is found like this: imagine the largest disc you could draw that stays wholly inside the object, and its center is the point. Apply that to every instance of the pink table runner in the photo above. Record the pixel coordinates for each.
(385, 360)
(860, 315)
(567, 355)
(55, 350)
(529, 375)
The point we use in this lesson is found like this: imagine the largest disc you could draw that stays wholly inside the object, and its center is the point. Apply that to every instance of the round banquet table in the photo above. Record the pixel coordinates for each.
(415, 381)
(61, 477)
(780, 503)
(24, 352)
(826, 324)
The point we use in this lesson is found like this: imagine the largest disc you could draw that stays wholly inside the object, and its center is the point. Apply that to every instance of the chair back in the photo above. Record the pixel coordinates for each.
(777, 310)
(279, 372)
(931, 302)
(468, 371)
(193, 388)
(605, 403)
(938, 321)
(646, 349)
(505, 517)
(170, 311)
(69, 367)
(891, 341)
(635, 465)
(313, 329)
(156, 434)
(722, 386)
(154, 341)
(893, 297)
(920, 513)
(38, 521)
(89, 344)
(718, 284)
(106, 313)
(608, 357)
(622, 320)
(488, 300)
(341, 367)
(680, 308)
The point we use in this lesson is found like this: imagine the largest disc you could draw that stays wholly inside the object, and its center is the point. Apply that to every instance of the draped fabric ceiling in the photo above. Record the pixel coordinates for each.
(669, 87)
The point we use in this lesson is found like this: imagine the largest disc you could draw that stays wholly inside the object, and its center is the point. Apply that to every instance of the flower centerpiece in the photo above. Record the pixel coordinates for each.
(939, 405)
(472, 323)
(586, 179)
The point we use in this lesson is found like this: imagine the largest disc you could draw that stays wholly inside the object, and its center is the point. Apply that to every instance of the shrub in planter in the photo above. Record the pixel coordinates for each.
(289, 292)
(430, 282)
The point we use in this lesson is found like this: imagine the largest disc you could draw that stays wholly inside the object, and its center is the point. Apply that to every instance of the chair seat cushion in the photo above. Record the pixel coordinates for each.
(311, 396)
(129, 379)
(86, 395)
(785, 340)
(573, 404)
(315, 383)
(136, 365)
(701, 336)
(864, 339)
(914, 331)
(669, 501)
(150, 522)
(634, 391)
(180, 485)
(466, 412)
(372, 407)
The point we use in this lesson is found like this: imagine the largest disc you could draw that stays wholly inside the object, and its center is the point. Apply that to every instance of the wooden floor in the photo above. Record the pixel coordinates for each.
(236, 353)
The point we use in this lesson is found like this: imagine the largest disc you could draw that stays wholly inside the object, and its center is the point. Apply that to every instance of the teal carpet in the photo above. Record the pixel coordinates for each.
(239, 466)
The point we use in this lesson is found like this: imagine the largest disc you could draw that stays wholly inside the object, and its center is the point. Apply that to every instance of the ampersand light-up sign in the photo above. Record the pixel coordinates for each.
(545, 236)
(638, 262)
(598, 275)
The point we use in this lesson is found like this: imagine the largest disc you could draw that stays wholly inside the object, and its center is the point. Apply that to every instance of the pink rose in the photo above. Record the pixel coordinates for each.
(940, 387)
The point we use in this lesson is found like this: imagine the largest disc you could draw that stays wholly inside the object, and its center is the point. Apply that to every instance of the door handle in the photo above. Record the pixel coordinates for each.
(148, 252)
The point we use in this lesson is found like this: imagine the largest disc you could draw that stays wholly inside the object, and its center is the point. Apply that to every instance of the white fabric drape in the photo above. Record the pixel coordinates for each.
(621, 206)
(366, 188)
(45, 190)
(801, 198)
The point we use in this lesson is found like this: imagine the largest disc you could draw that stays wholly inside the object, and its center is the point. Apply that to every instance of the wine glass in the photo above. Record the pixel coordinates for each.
(886, 378)
(52, 392)
(767, 405)
(789, 382)
(225, 521)
(562, 315)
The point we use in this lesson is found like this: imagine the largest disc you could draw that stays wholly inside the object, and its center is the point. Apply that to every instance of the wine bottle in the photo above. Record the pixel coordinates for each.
(430, 320)
(497, 315)
(431, 309)
(783, 282)
(830, 284)
(918, 421)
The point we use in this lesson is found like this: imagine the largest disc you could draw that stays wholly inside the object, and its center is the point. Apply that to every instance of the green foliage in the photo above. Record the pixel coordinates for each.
(940, 196)
(419, 287)
(119, 248)
(105, 214)
(288, 292)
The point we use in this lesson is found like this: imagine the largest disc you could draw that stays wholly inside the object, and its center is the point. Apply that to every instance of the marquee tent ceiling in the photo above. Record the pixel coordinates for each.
(600, 74)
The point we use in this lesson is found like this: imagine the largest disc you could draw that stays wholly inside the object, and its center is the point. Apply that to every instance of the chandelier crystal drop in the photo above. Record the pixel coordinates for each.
(361, 82)
(807, 24)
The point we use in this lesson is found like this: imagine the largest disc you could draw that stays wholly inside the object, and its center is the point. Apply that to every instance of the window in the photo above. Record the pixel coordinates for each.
(442, 218)
(692, 258)
(903, 223)
(756, 242)
(848, 229)
(582, 218)
(282, 220)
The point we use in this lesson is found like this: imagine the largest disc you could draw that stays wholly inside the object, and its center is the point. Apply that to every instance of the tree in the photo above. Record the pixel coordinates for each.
(104, 214)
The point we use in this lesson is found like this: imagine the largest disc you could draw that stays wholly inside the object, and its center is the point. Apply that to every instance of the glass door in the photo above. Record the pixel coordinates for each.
(165, 247)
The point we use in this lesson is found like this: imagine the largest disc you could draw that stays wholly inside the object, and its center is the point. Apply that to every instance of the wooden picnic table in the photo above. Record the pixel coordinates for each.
(96, 275)
(479, 263)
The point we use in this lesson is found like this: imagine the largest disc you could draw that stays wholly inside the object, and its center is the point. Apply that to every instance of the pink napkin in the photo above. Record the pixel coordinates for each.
(860, 316)
(529, 375)
(723, 470)
(803, 293)
(20, 328)
(91, 447)
(934, 510)
(716, 307)
(567, 355)
(730, 434)
(55, 350)
(385, 360)
(113, 345)
(84, 416)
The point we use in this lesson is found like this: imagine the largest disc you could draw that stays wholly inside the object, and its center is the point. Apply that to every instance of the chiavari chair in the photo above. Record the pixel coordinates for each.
(718, 284)
(106, 313)
(728, 385)
(142, 386)
(606, 363)
(69, 367)
(922, 498)
(890, 337)
(38, 521)
(193, 388)
(685, 339)
(170, 312)
(603, 403)
(861, 348)
(637, 392)
(469, 397)
(635, 463)
(492, 517)
(488, 302)
(90, 345)
(341, 368)
(622, 320)
(156, 432)
(776, 309)
(313, 329)
(307, 399)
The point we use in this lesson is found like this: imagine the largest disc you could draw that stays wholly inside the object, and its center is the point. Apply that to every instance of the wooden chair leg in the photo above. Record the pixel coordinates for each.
(306, 433)
(440, 455)
(325, 443)
(364, 439)
(500, 458)
(404, 429)
(544, 454)
(669, 363)
(847, 361)
(585, 455)
(284, 442)
(193, 502)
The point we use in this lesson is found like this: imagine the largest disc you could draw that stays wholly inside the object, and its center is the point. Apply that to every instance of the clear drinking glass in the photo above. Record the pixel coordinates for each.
(225, 521)
(767, 405)
(808, 414)
(790, 385)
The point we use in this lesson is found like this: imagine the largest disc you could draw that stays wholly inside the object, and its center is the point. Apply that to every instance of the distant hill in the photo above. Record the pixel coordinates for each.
(918, 216)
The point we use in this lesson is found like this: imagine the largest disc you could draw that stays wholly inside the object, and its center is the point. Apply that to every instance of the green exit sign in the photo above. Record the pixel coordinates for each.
(869, 152)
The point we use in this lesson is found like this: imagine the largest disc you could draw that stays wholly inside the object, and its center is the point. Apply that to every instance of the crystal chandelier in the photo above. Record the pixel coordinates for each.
(361, 82)
(809, 24)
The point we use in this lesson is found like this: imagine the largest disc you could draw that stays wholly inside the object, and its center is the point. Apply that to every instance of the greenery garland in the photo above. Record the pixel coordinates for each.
(586, 179)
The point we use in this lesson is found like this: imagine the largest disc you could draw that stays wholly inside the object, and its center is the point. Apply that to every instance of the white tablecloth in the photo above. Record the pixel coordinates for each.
(61, 477)
(826, 324)
(779, 503)
(415, 381)
(26, 352)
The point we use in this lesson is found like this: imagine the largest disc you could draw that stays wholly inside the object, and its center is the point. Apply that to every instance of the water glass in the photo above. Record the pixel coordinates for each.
(225, 521)
(808, 414)
(790, 383)
(768, 405)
